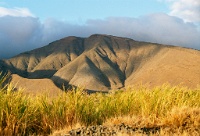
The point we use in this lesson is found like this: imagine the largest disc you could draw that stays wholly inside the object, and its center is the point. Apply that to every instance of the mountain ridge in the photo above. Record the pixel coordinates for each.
(105, 62)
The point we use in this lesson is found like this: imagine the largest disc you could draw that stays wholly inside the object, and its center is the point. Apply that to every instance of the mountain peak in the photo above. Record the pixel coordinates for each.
(108, 36)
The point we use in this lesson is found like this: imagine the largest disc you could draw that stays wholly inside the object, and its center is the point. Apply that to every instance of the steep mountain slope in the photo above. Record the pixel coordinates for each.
(43, 62)
(103, 62)
(107, 65)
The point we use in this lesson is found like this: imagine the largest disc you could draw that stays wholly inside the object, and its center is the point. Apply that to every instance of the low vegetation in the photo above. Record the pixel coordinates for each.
(172, 109)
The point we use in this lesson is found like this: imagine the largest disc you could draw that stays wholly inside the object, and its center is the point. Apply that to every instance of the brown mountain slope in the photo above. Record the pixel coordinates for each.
(34, 86)
(172, 65)
(106, 66)
(102, 62)
(43, 62)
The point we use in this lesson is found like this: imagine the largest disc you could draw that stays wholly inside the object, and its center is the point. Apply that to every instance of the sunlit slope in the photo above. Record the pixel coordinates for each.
(171, 65)
(34, 86)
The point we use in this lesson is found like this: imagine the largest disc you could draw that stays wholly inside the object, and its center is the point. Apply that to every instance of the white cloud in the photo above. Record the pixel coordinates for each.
(188, 10)
(19, 34)
(15, 12)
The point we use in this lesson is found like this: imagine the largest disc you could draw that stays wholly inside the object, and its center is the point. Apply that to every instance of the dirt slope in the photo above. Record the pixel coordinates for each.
(34, 86)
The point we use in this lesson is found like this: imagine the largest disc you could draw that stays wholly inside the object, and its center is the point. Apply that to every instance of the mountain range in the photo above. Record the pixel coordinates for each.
(103, 63)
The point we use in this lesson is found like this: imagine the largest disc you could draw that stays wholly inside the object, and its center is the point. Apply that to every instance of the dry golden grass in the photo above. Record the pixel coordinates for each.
(174, 110)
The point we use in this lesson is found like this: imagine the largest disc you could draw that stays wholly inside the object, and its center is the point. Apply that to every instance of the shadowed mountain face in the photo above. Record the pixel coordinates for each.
(103, 62)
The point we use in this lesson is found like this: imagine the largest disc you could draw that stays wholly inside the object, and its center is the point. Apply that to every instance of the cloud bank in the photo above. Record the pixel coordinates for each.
(189, 10)
(19, 33)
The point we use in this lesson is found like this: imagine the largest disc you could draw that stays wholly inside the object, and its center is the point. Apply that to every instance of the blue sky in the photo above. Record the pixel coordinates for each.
(29, 24)
(76, 10)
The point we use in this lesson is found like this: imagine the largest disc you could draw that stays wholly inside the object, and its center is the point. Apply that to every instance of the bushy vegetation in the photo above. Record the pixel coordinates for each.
(174, 109)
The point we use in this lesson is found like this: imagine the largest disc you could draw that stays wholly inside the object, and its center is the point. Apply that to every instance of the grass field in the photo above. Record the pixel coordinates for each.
(175, 110)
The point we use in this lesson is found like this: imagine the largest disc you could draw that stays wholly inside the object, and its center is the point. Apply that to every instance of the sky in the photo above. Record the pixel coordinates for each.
(29, 24)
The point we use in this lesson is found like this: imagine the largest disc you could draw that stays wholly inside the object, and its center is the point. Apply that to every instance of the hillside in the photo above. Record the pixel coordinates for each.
(34, 86)
(103, 62)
